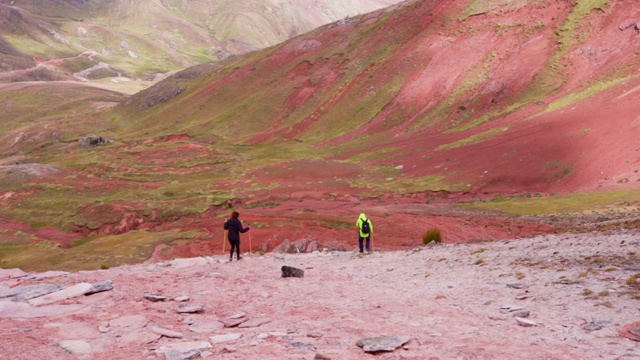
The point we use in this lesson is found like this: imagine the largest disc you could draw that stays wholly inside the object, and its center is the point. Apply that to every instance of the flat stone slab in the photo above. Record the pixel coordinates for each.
(382, 343)
(67, 293)
(12, 309)
(217, 339)
(254, 323)
(34, 291)
(76, 347)
(206, 325)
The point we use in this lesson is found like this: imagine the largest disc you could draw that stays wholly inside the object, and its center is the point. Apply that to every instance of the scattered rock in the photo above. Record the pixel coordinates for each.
(382, 343)
(166, 332)
(596, 325)
(522, 314)
(230, 322)
(76, 347)
(100, 287)
(525, 322)
(206, 325)
(190, 309)
(25, 293)
(315, 335)
(301, 345)
(155, 298)
(181, 298)
(93, 141)
(175, 354)
(516, 286)
(631, 331)
(184, 349)
(254, 323)
(217, 339)
(289, 271)
(67, 293)
(510, 308)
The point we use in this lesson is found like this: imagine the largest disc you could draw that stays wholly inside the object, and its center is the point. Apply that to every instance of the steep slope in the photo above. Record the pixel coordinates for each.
(511, 97)
(142, 38)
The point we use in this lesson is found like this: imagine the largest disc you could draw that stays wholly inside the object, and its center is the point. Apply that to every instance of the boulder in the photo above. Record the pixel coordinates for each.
(382, 343)
(289, 271)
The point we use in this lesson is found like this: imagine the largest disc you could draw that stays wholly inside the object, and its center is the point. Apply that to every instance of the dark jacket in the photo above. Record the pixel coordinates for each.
(235, 228)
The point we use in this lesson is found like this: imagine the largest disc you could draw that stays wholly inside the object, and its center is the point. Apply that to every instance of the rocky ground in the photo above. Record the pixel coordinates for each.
(545, 297)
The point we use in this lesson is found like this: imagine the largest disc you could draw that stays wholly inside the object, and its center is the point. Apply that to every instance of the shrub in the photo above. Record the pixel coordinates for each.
(432, 235)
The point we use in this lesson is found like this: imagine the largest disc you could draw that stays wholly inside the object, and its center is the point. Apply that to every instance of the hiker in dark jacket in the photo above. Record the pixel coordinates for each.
(235, 228)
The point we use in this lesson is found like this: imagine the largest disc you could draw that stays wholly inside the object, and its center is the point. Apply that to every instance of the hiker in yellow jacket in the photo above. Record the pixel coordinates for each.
(365, 229)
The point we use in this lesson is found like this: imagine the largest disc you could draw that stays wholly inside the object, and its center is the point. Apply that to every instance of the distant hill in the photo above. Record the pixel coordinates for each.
(85, 39)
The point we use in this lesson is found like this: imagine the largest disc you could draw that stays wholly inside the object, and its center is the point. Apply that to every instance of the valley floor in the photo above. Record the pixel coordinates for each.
(452, 301)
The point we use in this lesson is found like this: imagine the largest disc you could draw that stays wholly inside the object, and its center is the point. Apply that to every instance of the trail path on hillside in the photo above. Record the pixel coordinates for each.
(453, 301)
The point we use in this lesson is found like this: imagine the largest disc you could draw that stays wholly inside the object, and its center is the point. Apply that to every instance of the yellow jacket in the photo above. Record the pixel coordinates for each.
(361, 219)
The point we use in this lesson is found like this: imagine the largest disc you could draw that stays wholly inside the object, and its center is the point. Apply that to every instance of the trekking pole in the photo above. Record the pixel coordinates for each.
(371, 242)
(224, 237)
(250, 242)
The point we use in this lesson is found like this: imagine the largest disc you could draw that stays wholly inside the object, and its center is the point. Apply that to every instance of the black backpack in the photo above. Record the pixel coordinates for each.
(365, 229)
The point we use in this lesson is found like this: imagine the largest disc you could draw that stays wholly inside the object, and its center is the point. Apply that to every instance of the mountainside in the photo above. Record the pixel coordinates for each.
(425, 114)
(95, 39)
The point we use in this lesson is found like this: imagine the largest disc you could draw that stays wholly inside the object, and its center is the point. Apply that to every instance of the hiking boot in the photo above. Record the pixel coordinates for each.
(239, 257)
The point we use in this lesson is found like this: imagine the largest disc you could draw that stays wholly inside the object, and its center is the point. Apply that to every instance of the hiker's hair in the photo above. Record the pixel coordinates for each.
(235, 214)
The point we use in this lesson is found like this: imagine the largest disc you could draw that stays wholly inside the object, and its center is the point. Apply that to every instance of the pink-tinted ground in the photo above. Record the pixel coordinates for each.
(454, 301)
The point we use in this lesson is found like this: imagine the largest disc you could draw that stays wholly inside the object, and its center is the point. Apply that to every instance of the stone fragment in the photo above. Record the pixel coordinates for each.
(181, 298)
(166, 332)
(315, 335)
(516, 286)
(76, 347)
(187, 354)
(12, 309)
(33, 291)
(206, 325)
(100, 287)
(175, 349)
(217, 339)
(254, 323)
(67, 293)
(522, 296)
(382, 343)
(230, 322)
(190, 309)
(155, 298)
(631, 331)
(129, 322)
(525, 322)
(522, 313)
(301, 345)
(289, 271)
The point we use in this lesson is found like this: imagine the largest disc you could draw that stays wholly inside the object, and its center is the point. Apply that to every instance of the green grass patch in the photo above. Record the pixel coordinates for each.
(88, 254)
(556, 204)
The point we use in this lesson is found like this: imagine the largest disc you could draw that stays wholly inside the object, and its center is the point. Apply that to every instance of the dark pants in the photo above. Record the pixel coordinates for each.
(361, 241)
(235, 245)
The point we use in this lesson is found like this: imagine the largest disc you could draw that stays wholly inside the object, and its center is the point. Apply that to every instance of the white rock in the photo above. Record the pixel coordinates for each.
(525, 322)
(166, 332)
(76, 347)
(217, 339)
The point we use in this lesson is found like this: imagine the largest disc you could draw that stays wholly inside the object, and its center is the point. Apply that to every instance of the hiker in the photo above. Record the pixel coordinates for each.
(365, 229)
(235, 228)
